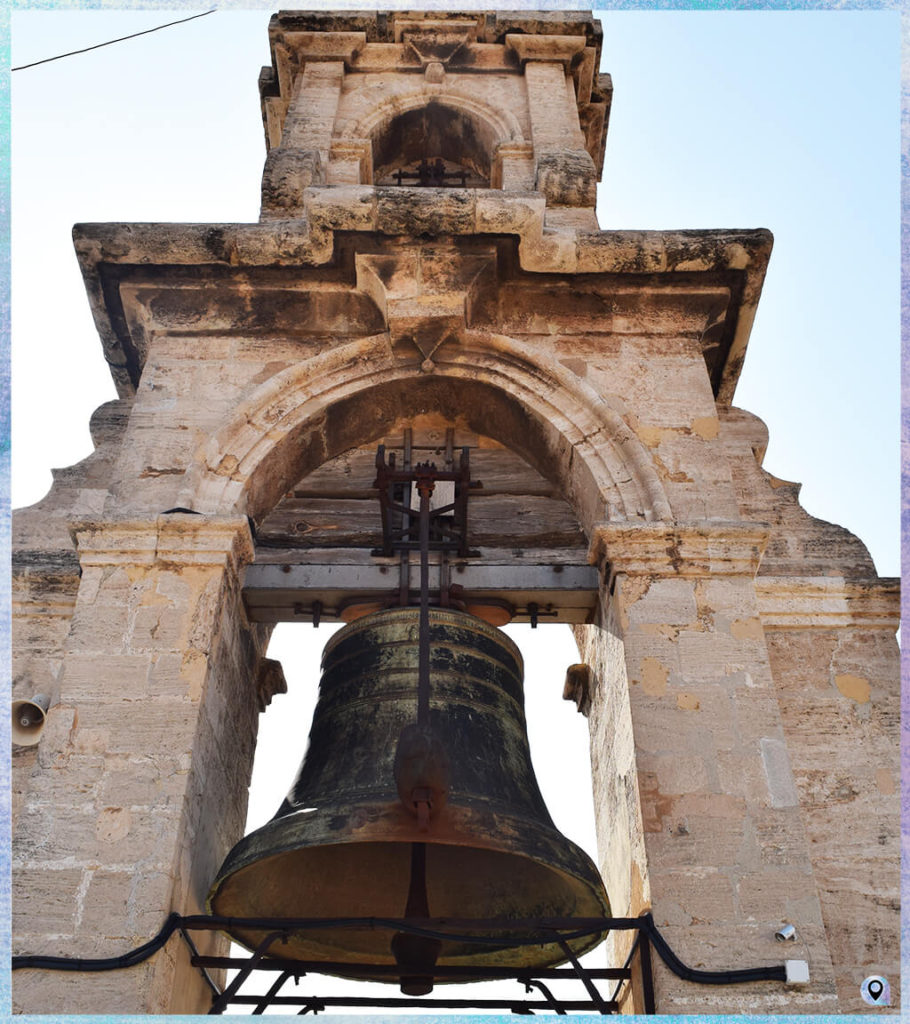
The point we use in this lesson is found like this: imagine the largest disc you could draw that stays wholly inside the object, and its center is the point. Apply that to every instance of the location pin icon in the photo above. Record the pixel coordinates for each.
(875, 988)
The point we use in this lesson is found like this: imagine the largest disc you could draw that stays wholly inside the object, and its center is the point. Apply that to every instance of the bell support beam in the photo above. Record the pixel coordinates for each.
(288, 593)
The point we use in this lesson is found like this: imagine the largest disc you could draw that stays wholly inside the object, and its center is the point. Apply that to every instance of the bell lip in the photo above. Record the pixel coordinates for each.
(437, 614)
(508, 957)
(461, 827)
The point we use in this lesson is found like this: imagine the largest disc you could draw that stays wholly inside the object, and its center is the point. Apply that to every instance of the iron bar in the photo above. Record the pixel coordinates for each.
(425, 490)
(230, 991)
(464, 1004)
(566, 929)
(536, 983)
(431, 175)
(266, 1000)
(589, 985)
(647, 975)
(448, 524)
(464, 925)
(346, 969)
(194, 960)
(404, 560)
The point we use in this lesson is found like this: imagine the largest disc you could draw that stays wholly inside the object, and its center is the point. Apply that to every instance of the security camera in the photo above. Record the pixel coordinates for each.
(786, 933)
(28, 719)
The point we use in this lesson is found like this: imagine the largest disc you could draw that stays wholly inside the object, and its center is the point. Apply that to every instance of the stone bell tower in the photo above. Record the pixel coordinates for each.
(428, 273)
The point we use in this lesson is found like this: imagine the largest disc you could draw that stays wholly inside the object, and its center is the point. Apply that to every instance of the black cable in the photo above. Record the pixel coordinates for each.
(737, 977)
(110, 42)
(111, 963)
(733, 977)
(625, 966)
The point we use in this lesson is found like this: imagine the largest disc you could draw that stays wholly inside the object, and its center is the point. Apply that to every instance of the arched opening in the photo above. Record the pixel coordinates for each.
(299, 444)
(434, 144)
(298, 423)
(313, 411)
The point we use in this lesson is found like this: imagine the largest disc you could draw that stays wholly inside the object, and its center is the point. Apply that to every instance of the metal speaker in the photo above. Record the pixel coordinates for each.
(476, 841)
(28, 719)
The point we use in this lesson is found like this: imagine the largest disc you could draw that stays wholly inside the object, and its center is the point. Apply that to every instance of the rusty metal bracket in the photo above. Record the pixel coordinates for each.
(448, 524)
(431, 175)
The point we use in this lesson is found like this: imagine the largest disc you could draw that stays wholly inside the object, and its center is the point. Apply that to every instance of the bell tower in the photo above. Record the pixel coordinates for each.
(428, 280)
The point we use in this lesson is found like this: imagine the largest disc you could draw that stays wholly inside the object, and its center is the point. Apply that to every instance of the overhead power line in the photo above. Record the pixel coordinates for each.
(110, 42)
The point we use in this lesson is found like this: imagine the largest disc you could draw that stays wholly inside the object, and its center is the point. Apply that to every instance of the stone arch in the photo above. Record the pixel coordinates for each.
(462, 129)
(311, 412)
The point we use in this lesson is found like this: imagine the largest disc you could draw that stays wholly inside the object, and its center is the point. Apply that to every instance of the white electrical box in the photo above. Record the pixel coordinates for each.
(797, 972)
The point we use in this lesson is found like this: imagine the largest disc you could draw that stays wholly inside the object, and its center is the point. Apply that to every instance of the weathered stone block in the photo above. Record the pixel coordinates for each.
(45, 901)
(566, 177)
(425, 212)
(287, 173)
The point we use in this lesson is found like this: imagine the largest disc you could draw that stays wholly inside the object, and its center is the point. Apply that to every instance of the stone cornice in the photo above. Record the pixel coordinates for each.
(309, 242)
(824, 602)
(297, 36)
(692, 550)
(561, 49)
(180, 539)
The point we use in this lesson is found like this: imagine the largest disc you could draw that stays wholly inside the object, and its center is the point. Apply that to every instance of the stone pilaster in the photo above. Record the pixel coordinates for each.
(727, 857)
(303, 156)
(835, 661)
(566, 174)
(139, 784)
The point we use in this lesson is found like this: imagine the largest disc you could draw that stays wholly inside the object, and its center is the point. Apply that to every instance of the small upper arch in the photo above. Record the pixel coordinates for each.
(406, 128)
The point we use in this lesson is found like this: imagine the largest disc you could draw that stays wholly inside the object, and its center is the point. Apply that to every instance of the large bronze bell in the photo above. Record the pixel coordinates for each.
(476, 842)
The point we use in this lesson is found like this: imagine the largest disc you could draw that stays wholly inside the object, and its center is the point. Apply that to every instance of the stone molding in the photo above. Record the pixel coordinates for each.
(324, 46)
(828, 602)
(177, 538)
(690, 550)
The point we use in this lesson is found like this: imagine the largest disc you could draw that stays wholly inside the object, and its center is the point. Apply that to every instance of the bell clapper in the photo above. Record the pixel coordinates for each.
(416, 954)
